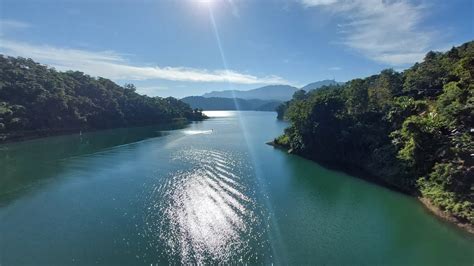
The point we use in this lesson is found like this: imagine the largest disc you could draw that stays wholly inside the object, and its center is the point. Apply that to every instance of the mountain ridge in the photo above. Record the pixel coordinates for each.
(270, 92)
(319, 84)
(220, 103)
(279, 92)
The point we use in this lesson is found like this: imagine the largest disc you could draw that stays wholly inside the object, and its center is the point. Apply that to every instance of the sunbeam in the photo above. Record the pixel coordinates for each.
(274, 234)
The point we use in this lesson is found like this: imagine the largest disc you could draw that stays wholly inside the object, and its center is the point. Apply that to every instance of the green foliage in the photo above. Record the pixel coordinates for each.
(449, 186)
(283, 140)
(281, 110)
(421, 138)
(299, 95)
(403, 107)
(35, 98)
(412, 130)
(383, 88)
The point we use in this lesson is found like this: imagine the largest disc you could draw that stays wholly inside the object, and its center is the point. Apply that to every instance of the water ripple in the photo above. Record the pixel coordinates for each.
(208, 213)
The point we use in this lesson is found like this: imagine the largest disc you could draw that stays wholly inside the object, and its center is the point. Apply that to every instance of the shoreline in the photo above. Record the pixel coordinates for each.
(39, 134)
(426, 203)
(446, 217)
(352, 170)
(32, 135)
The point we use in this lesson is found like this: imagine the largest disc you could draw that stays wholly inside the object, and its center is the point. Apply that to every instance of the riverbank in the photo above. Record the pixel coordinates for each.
(140, 182)
(351, 169)
(445, 216)
(37, 134)
(359, 173)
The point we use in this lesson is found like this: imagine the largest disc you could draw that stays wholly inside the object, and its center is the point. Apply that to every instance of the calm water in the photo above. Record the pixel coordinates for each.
(209, 192)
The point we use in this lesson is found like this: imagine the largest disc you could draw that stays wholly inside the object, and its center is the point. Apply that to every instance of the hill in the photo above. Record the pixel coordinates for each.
(36, 101)
(271, 92)
(215, 103)
(412, 130)
(319, 84)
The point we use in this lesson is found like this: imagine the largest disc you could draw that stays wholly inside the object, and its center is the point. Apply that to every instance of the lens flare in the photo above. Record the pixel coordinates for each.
(205, 2)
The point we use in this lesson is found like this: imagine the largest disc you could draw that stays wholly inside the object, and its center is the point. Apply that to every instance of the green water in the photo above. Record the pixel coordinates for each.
(210, 192)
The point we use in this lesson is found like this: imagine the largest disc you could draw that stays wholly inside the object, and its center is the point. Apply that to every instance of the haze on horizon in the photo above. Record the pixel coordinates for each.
(190, 47)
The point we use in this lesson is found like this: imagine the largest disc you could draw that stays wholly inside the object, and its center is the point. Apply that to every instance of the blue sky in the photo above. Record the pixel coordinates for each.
(189, 47)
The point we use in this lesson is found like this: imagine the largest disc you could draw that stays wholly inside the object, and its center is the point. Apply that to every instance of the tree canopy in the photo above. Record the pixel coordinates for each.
(35, 98)
(412, 130)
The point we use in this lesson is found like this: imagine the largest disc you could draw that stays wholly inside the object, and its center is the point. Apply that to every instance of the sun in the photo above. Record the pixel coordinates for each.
(205, 2)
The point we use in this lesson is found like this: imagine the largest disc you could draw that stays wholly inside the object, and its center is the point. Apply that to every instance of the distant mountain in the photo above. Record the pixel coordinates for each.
(216, 103)
(319, 84)
(271, 92)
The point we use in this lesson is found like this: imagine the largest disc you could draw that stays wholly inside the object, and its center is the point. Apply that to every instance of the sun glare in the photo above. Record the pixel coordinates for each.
(205, 2)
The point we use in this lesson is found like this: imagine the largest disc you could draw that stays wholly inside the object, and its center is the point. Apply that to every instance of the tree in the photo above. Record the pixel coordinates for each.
(412, 130)
(299, 95)
(35, 98)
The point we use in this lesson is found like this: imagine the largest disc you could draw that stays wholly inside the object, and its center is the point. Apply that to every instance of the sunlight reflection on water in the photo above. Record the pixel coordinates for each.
(195, 132)
(220, 113)
(208, 213)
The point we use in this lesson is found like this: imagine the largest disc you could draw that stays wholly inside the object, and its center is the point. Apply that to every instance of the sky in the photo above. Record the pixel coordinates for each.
(188, 47)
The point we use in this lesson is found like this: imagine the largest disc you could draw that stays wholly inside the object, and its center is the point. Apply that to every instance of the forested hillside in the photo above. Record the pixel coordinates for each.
(412, 130)
(37, 100)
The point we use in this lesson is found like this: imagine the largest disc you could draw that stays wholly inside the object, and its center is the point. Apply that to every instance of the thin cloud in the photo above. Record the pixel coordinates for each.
(310, 3)
(112, 65)
(385, 31)
(335, 68)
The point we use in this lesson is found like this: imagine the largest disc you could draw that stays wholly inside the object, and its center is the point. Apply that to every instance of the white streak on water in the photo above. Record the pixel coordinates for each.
(206, 214)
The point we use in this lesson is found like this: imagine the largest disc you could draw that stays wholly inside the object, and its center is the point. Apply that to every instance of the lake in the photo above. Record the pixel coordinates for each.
(208, 192)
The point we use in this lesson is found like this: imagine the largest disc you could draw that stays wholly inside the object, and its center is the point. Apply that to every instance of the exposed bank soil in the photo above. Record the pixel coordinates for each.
(445, 216)
(424, 201)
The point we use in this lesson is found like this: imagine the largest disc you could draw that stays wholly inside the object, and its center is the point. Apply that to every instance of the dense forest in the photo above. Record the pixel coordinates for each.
(412, 130)
(36, 100)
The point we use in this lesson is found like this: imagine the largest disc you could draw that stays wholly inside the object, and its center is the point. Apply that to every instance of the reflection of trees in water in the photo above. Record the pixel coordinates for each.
(35, 162)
